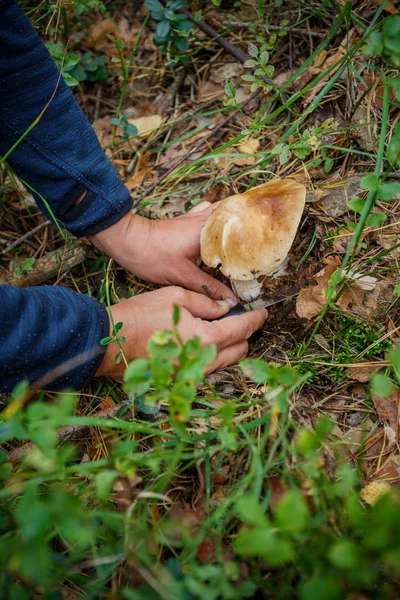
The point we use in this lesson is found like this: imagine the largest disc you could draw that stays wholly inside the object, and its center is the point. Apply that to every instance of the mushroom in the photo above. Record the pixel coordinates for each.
(250, 234)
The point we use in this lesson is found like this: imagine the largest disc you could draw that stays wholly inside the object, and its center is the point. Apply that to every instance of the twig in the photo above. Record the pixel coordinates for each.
(15, 456)
(197, 146)
(276, 28)
(213, 33)
(24, 237)
(52, 264)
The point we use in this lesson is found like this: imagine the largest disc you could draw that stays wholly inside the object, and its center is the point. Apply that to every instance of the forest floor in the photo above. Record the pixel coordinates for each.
(195, 144)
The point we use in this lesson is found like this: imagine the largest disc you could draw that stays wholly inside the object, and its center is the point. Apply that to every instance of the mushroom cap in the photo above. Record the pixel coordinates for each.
(250, 234)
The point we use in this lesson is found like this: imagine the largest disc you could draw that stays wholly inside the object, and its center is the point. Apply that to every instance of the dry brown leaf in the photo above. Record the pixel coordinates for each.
(229, 70)
(249, 146)
(99, 32)
(388, 408)
(141, 170)
(363, 373)
(312, 299)
(210, 91)
(389, 6)
(146, 125)
(338, 194)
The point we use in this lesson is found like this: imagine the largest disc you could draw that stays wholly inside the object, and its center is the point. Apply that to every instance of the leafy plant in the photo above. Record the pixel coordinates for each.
(75, 68)
(173, 27)
(258, 61)
(386, 41)
(129, 130)
(27, 265)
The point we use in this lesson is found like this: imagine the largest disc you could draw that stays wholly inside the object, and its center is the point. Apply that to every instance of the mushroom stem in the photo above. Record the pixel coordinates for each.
(247, 290)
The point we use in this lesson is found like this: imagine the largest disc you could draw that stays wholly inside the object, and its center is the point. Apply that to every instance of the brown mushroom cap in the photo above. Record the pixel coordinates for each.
(250, 234)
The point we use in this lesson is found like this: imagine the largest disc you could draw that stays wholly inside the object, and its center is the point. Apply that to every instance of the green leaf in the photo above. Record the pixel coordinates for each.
(181, 43)
(376, 219)
(71, 60)
(104, 481)
(253, 50)
(397, 289)
(263, 541)
(264, 57)
(344, 555)
(251, 511)
(393, 151)
(163, 29)
(176, 4)
(395, 83)
(177, 314)
(284, 155)
(291, 513)
(381, 385)
(247, 77)
(183, 25)
(394, 358)
(250, 63)
(69, 80)
(356, 205)
(321, 587)
(387, 191)
(257, 370)
(154, 5)
(370, 182)
(230, 89)
(328, 165)
(106, 340)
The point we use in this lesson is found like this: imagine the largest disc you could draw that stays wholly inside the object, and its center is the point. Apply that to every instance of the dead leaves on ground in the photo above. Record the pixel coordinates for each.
(361, 294)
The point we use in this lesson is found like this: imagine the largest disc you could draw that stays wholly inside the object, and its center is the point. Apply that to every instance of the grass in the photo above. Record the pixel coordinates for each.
(254, 485)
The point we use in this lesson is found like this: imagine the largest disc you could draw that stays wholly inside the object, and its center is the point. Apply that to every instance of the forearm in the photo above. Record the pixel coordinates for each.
(60, 157)
(50, 336)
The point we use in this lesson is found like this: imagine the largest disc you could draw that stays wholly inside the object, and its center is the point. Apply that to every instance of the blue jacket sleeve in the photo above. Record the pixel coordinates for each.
(49, 336)
(60, 158)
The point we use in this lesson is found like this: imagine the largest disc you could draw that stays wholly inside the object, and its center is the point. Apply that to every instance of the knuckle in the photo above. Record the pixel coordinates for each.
(179, 294)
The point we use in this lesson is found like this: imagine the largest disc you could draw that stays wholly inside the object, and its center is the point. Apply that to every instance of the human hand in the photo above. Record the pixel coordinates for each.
(166, 252)
(147, 313)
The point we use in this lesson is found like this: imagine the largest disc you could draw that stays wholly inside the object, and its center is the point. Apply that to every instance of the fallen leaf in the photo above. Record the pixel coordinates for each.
(229, 70)
(99, 32)
(210, 91)
(312, 299)
(249, 146)
(338, 195)
(146, 125)
(362, 374)
(388, 408)
(107, 402)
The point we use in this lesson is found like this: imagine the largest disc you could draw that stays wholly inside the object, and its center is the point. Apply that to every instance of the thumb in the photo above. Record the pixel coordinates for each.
(203, 307)
(201, 282)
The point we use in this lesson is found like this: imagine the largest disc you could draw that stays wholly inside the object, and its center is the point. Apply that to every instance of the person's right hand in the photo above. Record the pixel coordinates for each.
(153, 311)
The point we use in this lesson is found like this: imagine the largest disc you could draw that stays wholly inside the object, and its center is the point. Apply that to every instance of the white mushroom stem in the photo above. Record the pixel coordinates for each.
(246, 290)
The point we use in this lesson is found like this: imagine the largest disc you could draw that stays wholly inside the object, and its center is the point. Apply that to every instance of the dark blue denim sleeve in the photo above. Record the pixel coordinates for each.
(49, 336)
(60, 157)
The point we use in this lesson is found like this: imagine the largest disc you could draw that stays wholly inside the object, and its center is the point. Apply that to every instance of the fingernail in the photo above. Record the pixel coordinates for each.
(225, 304)
(230, 301)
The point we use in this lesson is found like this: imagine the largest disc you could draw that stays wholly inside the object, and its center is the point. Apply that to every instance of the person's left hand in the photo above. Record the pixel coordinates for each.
(166, 252)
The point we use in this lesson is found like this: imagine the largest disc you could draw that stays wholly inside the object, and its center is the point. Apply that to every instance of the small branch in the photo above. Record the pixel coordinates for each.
(26, 236)
(52, 264)
(213, 33)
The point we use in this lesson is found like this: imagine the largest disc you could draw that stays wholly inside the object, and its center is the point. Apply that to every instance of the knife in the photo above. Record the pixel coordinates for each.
(240, 309)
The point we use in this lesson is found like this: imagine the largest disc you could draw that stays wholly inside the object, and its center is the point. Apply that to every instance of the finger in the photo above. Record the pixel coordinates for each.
(201, 306)
(199, 207)
(234, 330)
(205, 284)
(229, 356)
